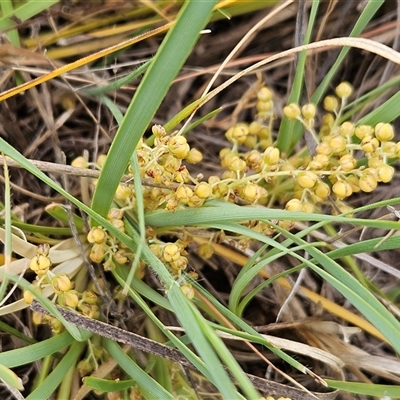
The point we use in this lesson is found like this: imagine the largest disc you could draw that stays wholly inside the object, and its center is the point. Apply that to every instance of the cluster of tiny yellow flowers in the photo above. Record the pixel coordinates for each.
(64, 293)
(345, 158)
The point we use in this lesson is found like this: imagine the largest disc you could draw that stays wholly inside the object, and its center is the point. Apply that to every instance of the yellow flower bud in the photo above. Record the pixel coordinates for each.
(203, 190)
(28, 297)
(363, 130)
(89, 297)
(255, 127)
(237, 133)
(79, 162)
(384, 132)
(389, 148)
(254, 160)
(385, 173)
(120, 257)
(61, 284)
(342, 189)
(347, 162)
(308, 111)
(306, 179)
(40, 264)
(347, 129)
(367, 182)
(292, 111)
(271, 155)
(206, 250)
(344, 90)
(71, 298)
(180, 264)
(263, 107)
(123, 192)
(96, 235)
(369, 144)
(194, 156)
(253, 192)
(188, 291)
(158, 131)
(184, 193)
(98, 252)
(171, 252)
(324, 148)
(331, 103)
(37, 318)
(119, 224)
(319, 162)
(237, 165)
(179, 147)
(337, 144)
(322, 190)
(352, 180)
(115, 213)
(265, 94)
(293, 205)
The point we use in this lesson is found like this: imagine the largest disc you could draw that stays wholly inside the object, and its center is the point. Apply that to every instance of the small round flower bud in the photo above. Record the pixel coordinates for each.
(40, 264)
(263, 107)
(367, 182)
(171, 252)
(194, 156)
(255, 127)
(271, 155)
(308, 111)
(352, 180)
(306, 179)
(324, 148)
(188, 291)
(89, 297)
(319, 162)
(180, 264)
(331, 103)
(322, 190)
(292, 111)
(184, 193)
(347, 162)
(307, 207)
(342, 189)
(337, 144)
(119, 224)
(98, 252)
(344, 90)
(369, 144)
(265, 94)
(120, 256)
(96, 235)
(363, 130)
(253, 192)
(179, 147)
(115, 213)
(71, 298)
(123, 192)
(254, 160)
(158, 131)
(385, 173)
(293, 205)
(347, 129)
(237, 133)
(206, 250)
(79, 162)
(237, 165)
(28, 297)
(61, 284)
(384, 132)
(203, 190)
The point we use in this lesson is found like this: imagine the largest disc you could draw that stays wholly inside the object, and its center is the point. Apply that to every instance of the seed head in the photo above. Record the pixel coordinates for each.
(344, 90)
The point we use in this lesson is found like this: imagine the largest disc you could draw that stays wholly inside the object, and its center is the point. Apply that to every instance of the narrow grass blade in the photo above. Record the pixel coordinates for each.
(172, 53)
(369, 389)
(151, 388)
(37, 351)
(53, 380)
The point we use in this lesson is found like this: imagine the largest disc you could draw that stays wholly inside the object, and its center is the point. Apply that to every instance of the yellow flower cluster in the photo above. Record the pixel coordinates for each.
(64, 293)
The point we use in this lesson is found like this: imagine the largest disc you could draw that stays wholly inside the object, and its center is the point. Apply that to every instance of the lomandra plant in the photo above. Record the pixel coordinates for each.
(284, 182)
